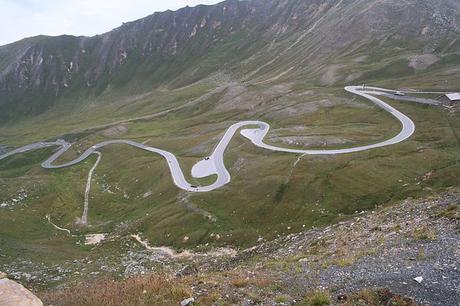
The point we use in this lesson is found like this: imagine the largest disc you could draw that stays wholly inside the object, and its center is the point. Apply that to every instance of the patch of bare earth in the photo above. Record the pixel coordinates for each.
(238, 96)
(423, 61)
(330, 75)
(94, 239)
(117, 130)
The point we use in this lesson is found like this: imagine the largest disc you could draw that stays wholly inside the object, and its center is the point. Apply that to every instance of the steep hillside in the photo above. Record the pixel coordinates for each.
(177, 81)
(315, 40)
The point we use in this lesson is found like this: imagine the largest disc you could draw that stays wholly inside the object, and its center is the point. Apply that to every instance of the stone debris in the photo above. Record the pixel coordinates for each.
(17, 199)
(188, 301)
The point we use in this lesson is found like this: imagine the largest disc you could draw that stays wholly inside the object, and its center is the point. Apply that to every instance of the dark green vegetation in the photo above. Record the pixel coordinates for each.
(283, 62)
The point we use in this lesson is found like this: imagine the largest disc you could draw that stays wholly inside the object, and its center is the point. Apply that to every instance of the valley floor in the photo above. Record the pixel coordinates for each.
(405, 254)
(135, 209)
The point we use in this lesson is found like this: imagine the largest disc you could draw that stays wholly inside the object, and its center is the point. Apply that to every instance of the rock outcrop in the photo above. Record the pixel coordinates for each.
(14, 294)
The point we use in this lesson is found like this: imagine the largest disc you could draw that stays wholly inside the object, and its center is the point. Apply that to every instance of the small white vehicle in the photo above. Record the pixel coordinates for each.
(400, 93)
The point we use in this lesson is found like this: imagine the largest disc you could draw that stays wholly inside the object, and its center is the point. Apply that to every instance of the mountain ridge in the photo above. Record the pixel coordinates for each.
(244, 38)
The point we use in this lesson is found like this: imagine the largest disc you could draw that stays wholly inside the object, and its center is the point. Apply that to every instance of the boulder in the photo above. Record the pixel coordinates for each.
(187, 302)
(418, 279)
(12, 294)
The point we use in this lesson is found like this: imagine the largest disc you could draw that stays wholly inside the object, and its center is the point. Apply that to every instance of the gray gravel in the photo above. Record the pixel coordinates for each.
(397, 266)
(387, 248)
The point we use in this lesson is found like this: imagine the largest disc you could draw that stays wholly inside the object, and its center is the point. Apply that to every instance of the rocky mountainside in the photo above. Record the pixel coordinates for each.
(250, 40)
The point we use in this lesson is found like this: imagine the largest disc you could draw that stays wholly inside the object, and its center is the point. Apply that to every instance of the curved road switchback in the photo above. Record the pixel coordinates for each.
(214, 164)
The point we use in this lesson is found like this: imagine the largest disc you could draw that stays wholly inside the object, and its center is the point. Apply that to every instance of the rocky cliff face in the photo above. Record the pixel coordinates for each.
(240, 37)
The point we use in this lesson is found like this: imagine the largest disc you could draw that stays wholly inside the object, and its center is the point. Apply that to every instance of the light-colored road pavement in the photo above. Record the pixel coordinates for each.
(214, 164)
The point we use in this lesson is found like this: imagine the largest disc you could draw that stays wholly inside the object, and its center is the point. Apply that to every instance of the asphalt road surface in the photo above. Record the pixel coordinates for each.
(214, 164)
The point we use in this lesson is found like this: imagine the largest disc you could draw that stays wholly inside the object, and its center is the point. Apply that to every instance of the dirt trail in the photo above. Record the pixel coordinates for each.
(84, 218)
(218, 252)
(48, 217)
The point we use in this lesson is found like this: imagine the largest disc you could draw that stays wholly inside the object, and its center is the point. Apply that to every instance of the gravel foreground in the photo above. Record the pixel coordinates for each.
(406, 254)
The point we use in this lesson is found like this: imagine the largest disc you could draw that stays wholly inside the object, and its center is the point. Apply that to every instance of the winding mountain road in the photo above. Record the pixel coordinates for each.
(214, 164)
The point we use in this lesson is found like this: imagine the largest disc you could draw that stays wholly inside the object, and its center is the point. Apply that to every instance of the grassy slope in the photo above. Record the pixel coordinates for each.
(260, 200)
(371, 252)
(265, 198)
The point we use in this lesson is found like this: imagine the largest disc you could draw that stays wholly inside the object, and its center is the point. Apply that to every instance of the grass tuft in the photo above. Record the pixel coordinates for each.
(316, 298)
